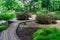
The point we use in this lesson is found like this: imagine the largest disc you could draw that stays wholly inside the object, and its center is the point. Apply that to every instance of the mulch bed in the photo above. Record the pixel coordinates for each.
(26, 33)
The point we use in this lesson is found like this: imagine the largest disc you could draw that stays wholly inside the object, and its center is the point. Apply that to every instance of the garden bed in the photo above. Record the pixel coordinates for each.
(25, 32)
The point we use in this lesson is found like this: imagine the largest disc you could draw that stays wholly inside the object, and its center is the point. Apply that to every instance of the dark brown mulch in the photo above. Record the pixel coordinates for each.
(26, 33)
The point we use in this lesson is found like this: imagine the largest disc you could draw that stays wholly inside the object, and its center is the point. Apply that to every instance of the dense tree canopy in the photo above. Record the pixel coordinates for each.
(55, 4)
(10, 4)
(29, 5)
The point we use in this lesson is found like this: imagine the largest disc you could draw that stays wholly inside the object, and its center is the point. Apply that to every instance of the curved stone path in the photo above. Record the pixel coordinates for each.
(10, 33)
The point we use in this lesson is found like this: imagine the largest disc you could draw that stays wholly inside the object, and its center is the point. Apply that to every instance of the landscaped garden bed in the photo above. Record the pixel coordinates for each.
(35, 31)
(45, 14)
(25, 31)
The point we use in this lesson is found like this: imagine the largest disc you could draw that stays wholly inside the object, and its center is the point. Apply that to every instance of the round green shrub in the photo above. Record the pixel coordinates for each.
(47, 34)
(45, 19)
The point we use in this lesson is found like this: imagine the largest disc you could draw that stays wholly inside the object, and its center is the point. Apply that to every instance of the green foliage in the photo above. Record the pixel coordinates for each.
(7, 15)
(57, 13)
(37, 6)
(55, 5)
(45, 3)
(18, 5)
(3, 27)
(23, 16)
(53, 16)
(11, 4)
(47, 34)
(45, 19)
(42, 11)
(30, 5)
(27, 8)
(3, 8)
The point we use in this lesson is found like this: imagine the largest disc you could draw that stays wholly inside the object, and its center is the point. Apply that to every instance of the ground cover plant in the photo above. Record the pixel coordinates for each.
(3, 27)
(47, 34)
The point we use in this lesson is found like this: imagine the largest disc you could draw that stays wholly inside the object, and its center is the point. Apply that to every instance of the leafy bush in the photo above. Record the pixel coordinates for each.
(7, 15)
(45, 3)
(23, 16)
(3, 27)
(53, 16)
(45, 19)
(47, 34)
(42, 11)
(57, 13)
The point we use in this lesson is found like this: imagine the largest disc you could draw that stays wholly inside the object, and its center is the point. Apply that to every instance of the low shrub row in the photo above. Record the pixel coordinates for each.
(41, 18)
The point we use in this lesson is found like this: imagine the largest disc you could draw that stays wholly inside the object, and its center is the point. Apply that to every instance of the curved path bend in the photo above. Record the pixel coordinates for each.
(10, 33)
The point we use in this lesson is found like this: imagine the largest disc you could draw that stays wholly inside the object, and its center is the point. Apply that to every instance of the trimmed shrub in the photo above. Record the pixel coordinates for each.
(45, 19)
(47, 34)
(23, 16)
(54, 17)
